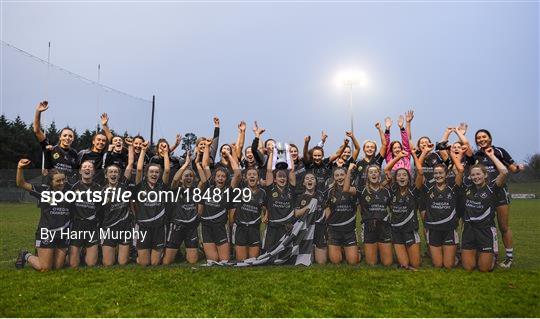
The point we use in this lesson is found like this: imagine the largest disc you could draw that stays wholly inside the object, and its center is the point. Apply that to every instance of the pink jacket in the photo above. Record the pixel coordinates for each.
(404, 162)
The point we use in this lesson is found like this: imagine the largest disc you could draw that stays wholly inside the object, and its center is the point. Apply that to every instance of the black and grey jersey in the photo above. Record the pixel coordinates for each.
(215, 212)
(360, 174)
(85, 208)
(428, 166)
(280, 203)
(149, 213)
(184, 211)
(249, 212)
(441, 207)
(480, 157)
(304, 199)
(64, 160)
(52, 217)
(403, 209)
(114, 158)
(114, 209)
(321, 171)
(480, 203)
(374, 204)
(342, 210)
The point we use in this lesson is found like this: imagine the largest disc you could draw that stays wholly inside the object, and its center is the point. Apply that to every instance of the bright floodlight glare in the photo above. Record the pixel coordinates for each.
(351, 78)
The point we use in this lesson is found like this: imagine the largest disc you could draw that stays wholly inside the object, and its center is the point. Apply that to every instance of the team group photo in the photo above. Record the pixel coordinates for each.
(292, 160)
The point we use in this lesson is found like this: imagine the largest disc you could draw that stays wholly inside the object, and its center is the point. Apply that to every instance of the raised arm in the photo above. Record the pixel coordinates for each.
(21, 182)
(460, 131)
(176, 143)
(456, 160)
(131, 158)
(140, 163)
(442, 146)
(388, 124)
(269, 176)
(356, 150)
(256, 145)
(347, 188)
(292, 174)
(237, 175)
(503, 171)
(215, 140)
(206, 160)
(409, 116)
(340, 150)
(419, 182)
(324, 136)
(384, 144)
(166, 166)
(241, 139)
(405, 135)
(176, 178)
(305, 152)
(41, 107)
(390, 165)
(105, 126)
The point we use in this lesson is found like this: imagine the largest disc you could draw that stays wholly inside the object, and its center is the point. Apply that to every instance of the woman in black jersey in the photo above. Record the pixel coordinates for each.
(340, 213)
(51, 252)
(280, 199)
(248, 213)
(60, 156)
(320, 242)
(346, 155)
(149, 213)
(214, 210)
(404, 221)
(484, 141)
(371, 156)
(116, 153)
(161, 146)
(479, 239)
(184, 220)
(441, 205)
(374, 201)
(114, 214)
(85, 222)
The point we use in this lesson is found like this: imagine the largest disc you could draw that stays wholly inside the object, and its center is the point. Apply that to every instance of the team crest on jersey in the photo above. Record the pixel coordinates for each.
(484, 195)
(333, 200)
(394, 199)
(56, 155)
(468, 192)
(275, 194)
(303, 202)
(449, 196)
(368, 199)
(360, 168)
(431, 195)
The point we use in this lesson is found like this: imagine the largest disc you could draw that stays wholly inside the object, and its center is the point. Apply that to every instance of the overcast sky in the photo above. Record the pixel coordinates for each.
(277, 63)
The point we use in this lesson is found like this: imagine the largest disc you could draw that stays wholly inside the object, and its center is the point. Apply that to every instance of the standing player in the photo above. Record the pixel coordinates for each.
(374, 201)
(213, 211)
(280, 199)
(441, 204)
(479, 234)
(150, 214)
(51, 253)
(247, 214)
(484, 142)
(404, 220)
(85, 218)
(340, 212)
(114, 212)
(371, 157)
(183, 214)
(60, 156)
